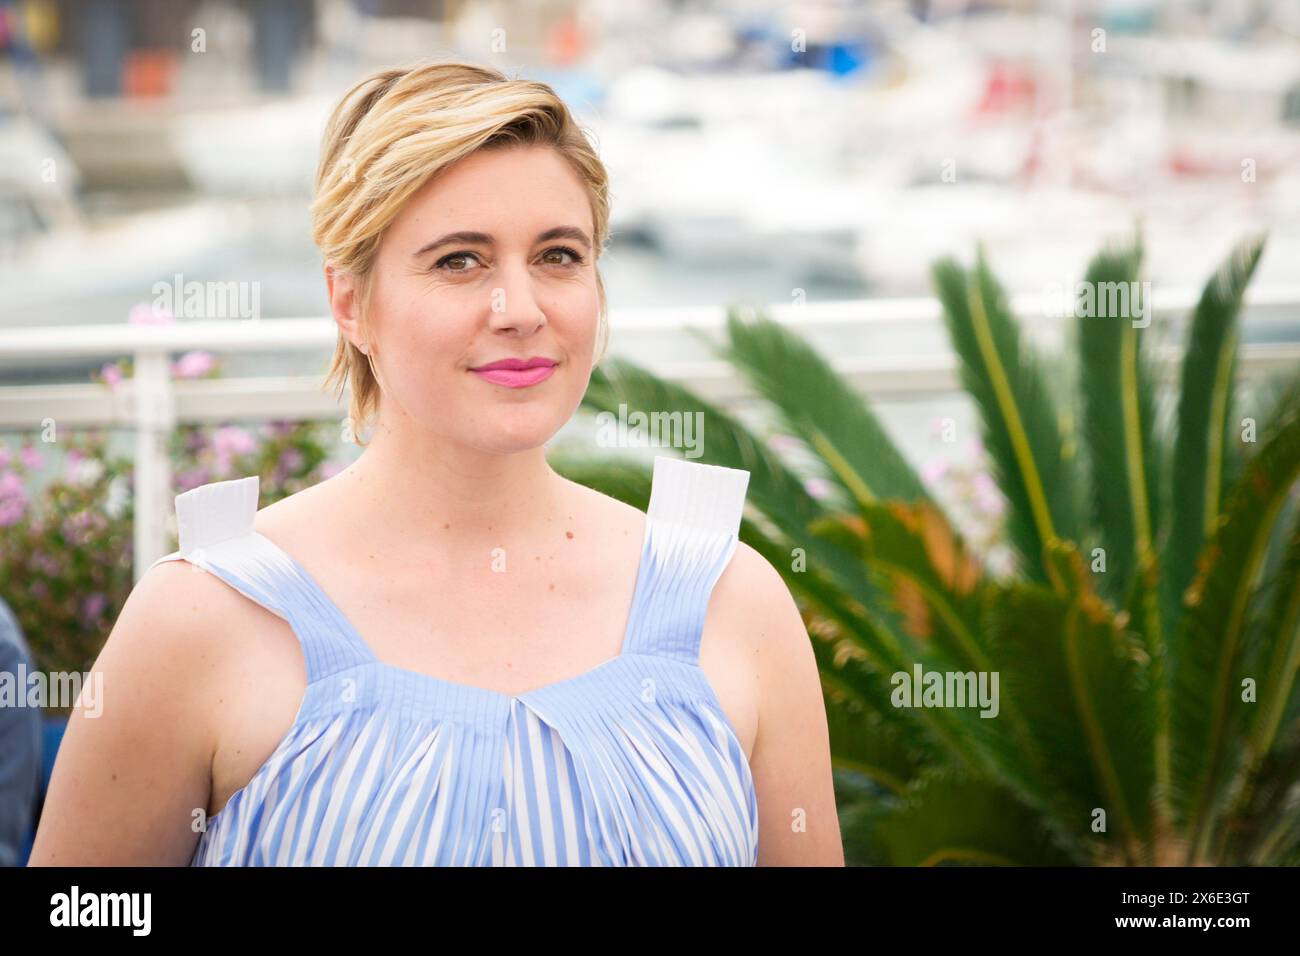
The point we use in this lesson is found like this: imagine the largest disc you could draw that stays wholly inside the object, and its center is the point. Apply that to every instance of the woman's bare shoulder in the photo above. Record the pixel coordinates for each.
(179, 610)
(299, 520)
(176, 601)
(600, 506)
(131, 774)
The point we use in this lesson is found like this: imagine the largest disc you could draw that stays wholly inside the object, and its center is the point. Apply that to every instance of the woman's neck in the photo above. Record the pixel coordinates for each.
(401, 492)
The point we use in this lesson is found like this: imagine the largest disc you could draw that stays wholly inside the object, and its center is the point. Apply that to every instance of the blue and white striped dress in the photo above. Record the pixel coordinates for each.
(633, 762)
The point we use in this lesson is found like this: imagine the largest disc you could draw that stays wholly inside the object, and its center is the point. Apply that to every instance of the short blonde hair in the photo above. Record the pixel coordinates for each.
(397, 128)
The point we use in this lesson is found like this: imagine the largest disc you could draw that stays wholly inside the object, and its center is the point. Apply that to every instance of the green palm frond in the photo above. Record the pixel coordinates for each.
(773, 488)
(866, 744)
(1021, 423)
(933, 580)
(1273, 655)
(1085, 694)
(1116, 392)
(1210, 720)
(854, 682)
(814, 580)
(822, 409)
(949, 818)
(1269, 830)
(1203, 445)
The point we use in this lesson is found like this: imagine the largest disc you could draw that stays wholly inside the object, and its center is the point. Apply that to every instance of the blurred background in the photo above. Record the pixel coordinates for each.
(810, 161)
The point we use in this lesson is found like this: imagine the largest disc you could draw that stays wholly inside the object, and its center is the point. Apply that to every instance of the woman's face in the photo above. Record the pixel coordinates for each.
(491, 261)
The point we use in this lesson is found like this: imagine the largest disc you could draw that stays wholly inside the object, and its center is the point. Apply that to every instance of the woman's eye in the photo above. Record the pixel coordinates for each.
(452, 257)
(564, 251)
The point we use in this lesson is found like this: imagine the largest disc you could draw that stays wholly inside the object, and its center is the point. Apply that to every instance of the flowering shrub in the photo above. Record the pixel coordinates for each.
(65, 551)
(66, 543)
(286, 456)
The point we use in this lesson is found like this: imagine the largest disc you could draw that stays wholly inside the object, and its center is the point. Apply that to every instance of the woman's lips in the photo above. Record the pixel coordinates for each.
(516, 377)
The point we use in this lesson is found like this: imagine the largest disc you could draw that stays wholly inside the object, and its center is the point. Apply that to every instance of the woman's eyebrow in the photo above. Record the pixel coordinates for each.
(484, 239)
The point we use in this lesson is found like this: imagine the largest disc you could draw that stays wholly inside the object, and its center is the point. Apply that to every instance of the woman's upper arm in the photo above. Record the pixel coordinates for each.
(791, 761)
(135, 761)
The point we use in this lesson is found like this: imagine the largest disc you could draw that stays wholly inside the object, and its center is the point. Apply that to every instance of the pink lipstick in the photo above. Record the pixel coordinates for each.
(517, 373)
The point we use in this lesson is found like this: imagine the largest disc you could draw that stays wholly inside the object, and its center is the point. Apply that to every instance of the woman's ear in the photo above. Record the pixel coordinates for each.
(341, 288)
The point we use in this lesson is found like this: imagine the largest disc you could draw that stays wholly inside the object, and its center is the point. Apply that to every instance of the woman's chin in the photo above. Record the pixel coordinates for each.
(516, 432)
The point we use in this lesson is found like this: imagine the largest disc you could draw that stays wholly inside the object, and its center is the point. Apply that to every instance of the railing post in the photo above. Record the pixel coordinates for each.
(155, 418)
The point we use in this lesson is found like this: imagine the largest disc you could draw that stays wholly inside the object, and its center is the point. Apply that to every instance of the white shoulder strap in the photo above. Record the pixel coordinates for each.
(213, 513)
(216, 512)
(708, 497)
(692, 530)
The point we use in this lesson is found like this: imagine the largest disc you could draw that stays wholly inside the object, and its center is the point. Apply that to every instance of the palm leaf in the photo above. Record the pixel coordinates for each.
(1202, 448)
(1117, 420)
(862, 742)
(773, 488)
(1210, 721)
(1086, 695)
(1272, 806)
(1276, 635)
(1118, 396)
(822, 409)
(1021, 424)
(952, 818)
(941, 595)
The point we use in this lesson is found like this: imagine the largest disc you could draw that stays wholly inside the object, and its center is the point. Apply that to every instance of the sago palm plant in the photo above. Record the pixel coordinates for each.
(1146, 644)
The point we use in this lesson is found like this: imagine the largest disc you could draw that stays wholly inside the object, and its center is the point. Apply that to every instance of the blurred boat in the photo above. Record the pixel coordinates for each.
(55, 257)
(266, 148)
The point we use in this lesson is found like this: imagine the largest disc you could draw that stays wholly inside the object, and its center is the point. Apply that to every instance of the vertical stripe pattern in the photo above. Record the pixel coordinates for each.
(632, 763)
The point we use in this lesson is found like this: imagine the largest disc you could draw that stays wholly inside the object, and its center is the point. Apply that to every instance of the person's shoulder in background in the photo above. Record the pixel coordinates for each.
(20, 743)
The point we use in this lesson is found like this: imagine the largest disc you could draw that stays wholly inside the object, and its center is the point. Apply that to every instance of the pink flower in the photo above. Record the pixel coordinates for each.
(291, 460)
(94, 606)
(112, 375)
(4, 456)
(193, 365)
(13, 499)
(187, 480)
(31, 457)
(277, 429)
(79, 526)
(934, 470)
(72, 467)
(817, 487)
(146, 313)
(231, 440)
(988, 496)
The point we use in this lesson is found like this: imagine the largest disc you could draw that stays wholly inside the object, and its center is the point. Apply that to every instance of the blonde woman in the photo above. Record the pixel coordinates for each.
(447, 654)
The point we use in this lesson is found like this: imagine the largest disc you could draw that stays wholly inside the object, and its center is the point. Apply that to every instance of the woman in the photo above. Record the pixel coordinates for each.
(447, 653)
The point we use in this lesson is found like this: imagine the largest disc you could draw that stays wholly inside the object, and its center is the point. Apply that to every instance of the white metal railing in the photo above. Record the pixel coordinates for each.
(152, 403)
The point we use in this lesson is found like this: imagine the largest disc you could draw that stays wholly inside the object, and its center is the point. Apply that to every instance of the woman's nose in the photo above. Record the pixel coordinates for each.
(513, 304)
